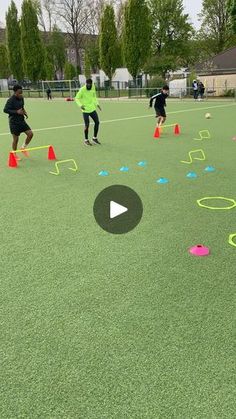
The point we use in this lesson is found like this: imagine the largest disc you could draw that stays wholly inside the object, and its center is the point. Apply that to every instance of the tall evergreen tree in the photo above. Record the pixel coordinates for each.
(69, 71)
(32, 46)
(48, 72)
(92, 51)
(4, 63)
(136, 35)
(108, 45)
(13, 36)
(58, 49)
(232, 11)
(87, 66)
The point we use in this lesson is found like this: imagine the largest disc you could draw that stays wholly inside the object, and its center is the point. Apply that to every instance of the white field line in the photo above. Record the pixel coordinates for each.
(126, 119)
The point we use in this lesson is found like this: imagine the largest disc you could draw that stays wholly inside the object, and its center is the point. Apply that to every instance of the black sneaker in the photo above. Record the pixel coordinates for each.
(95, 141)
(87, 142)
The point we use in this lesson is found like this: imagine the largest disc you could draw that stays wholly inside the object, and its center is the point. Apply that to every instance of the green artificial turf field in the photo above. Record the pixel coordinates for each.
(95, 325)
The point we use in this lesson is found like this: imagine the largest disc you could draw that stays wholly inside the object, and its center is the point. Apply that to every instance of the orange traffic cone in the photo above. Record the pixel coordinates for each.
(157, 133)
(51, 154)
(12, 162)
(177, 129)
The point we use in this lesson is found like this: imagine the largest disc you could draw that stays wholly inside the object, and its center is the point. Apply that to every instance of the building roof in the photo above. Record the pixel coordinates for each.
(223, 63)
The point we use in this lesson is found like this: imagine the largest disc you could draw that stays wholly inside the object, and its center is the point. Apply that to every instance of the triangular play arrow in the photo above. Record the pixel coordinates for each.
(116, 209)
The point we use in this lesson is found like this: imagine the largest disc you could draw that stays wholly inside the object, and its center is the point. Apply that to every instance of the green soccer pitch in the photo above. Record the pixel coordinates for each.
(95, 325)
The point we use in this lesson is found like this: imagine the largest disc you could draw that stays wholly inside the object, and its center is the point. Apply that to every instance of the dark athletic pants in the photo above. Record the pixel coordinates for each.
(95, 119)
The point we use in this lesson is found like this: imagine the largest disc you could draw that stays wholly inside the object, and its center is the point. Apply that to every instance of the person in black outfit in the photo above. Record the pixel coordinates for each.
(49, 94)
(14, 107)
(201, 89)
(160, 104)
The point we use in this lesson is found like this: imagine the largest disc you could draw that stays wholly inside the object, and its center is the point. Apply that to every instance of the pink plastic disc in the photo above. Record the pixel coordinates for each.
(199, 250)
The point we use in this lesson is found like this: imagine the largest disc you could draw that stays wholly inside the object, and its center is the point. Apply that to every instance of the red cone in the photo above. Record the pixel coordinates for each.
(51, 154)
(12, 162)
(177, 129)
(157, 133)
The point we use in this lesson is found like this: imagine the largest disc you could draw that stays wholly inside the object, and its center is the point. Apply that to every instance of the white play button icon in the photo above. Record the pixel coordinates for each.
(116, 209)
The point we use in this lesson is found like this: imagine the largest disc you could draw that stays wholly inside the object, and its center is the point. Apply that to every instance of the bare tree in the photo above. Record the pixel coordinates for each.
(75, 15)
(81, 17)
(46, 10)
(50, 8)
(97, 8)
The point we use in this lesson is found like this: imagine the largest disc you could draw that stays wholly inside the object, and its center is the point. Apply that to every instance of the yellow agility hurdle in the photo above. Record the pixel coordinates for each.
(168, 126)
(191, 158)
(204, 135)
(74, 169)
(12, 161)
(31, 149)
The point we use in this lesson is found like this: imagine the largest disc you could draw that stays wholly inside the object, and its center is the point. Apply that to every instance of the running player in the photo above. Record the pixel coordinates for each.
(160, 104)
(86, 98)
(14, 107)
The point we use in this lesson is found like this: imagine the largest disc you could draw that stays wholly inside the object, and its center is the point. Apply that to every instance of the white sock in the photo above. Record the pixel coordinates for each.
(24, 145)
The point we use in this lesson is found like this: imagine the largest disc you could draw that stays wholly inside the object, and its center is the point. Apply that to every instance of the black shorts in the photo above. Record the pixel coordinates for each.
(160, 112)
(17, 128)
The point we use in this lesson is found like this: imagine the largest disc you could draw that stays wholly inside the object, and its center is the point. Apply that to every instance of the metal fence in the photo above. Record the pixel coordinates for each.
(184, 93)
(132, 93)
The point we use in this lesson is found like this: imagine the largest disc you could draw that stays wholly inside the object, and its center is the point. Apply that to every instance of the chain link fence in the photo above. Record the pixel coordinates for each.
(131, 93)
(184, 93)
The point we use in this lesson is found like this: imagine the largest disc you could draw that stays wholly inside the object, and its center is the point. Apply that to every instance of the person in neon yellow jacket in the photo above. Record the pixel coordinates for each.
(86, 99)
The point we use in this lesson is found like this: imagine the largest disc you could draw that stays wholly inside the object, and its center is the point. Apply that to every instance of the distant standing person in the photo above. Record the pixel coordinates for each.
(86, 99)
(201, 88)
(160, 104)
(49, 94)
(14, 107)
(195, 89)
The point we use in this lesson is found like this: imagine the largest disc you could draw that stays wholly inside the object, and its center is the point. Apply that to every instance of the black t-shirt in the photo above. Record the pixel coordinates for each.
(12, 106)
(160, 100)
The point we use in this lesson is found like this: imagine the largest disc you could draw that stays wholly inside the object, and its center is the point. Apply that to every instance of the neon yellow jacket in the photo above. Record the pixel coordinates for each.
(87, 98)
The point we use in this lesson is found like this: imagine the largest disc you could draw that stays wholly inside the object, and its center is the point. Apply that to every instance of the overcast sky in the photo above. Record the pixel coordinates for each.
(192, 7)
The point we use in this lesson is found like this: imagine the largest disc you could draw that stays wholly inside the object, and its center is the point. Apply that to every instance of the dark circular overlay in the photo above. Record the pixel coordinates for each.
(122, 195)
